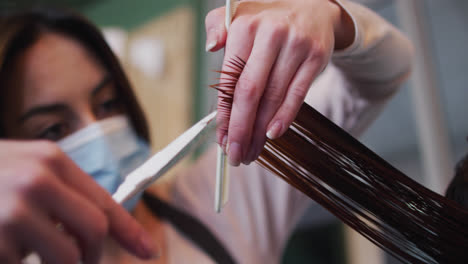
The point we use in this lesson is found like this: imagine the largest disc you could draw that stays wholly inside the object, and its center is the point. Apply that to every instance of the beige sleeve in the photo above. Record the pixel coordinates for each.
(360, 79)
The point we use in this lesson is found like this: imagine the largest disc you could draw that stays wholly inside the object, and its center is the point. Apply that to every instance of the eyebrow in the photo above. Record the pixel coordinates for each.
(43, 109)
(101, 84)
(59, 107)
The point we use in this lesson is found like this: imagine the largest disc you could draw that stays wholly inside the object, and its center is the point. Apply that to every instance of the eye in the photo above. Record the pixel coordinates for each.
(109, 108)
(54, 132)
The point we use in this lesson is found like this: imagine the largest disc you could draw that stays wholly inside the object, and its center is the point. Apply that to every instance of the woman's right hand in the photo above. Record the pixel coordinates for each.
(40, 187)
(285, 45)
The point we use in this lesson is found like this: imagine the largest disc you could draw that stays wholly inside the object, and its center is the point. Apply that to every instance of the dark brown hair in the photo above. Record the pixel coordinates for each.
(20, 30)
(458, 187)
(396, 213)
(411, 222)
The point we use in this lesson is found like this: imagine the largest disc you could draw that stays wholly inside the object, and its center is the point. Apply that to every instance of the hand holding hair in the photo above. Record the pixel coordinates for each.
(285, 45)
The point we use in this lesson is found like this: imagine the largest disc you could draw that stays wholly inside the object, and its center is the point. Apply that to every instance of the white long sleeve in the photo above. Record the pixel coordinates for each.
(262, 210)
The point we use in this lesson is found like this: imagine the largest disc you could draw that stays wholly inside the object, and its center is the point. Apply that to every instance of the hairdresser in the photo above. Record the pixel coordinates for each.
(72, 128)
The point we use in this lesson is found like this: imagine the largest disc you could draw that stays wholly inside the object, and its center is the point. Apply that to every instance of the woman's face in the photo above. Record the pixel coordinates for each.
(55, 88)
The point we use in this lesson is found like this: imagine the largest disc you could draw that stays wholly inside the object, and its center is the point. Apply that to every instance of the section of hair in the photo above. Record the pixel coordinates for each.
(458, 187)
(390, 209)
(387, 207)
(226, 88)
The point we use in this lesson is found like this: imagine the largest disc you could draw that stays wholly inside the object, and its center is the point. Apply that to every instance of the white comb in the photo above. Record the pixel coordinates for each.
(222, 167)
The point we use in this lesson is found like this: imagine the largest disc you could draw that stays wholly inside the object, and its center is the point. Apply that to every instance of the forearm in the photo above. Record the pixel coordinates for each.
(362, 78)
(379, 59)
(344, 28)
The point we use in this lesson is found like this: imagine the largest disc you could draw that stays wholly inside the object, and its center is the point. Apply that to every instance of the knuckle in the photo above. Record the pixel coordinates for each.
(244, 25)
(299, 41)
(13, 214)
(34, 180)
(318, 52)
(214, 15)
(290, 106)
(279, 31)
(237, 126)
(49, 154)
(240, 125)
(237, 131)
(274, 94)
(247, 91)
(299, 92)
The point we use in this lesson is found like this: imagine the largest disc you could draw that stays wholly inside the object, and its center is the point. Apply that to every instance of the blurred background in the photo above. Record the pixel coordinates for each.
(422, 131)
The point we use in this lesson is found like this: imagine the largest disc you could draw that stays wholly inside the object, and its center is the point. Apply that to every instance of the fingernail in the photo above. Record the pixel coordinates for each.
(147, 247)
(234, 153)
(210, 45)
(275, 130)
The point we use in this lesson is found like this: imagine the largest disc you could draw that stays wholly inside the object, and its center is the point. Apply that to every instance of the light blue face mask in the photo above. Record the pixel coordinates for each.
(108, 150)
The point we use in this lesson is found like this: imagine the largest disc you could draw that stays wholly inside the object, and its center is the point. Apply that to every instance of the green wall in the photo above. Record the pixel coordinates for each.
(130, 14)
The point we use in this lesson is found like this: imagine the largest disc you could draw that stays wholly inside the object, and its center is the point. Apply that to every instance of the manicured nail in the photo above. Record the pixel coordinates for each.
(234, 153)
(210, 45)
(275, 130)
(147, 247)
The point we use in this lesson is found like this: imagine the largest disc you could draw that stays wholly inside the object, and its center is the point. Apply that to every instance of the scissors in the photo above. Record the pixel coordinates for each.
(142, 177)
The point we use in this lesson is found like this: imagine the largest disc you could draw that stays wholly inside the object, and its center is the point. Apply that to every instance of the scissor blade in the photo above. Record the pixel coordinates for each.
(165, 159)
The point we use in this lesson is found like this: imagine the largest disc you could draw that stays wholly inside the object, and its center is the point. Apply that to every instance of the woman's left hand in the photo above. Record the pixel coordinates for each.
(285, 44)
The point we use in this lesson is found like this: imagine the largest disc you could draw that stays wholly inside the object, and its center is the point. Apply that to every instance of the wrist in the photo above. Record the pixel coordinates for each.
(344, 28)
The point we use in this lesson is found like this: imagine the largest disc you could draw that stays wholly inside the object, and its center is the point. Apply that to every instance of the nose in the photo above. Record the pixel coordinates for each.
(87, 118)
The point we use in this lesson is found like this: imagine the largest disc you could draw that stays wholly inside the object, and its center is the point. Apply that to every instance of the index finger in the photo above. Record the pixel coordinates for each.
(238, 46)
(249, 90)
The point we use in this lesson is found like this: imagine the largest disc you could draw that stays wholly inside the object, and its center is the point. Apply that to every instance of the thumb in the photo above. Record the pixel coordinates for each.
(215, 30)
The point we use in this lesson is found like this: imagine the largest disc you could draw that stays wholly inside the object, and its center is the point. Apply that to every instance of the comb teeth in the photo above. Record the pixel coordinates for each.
(227, 85)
